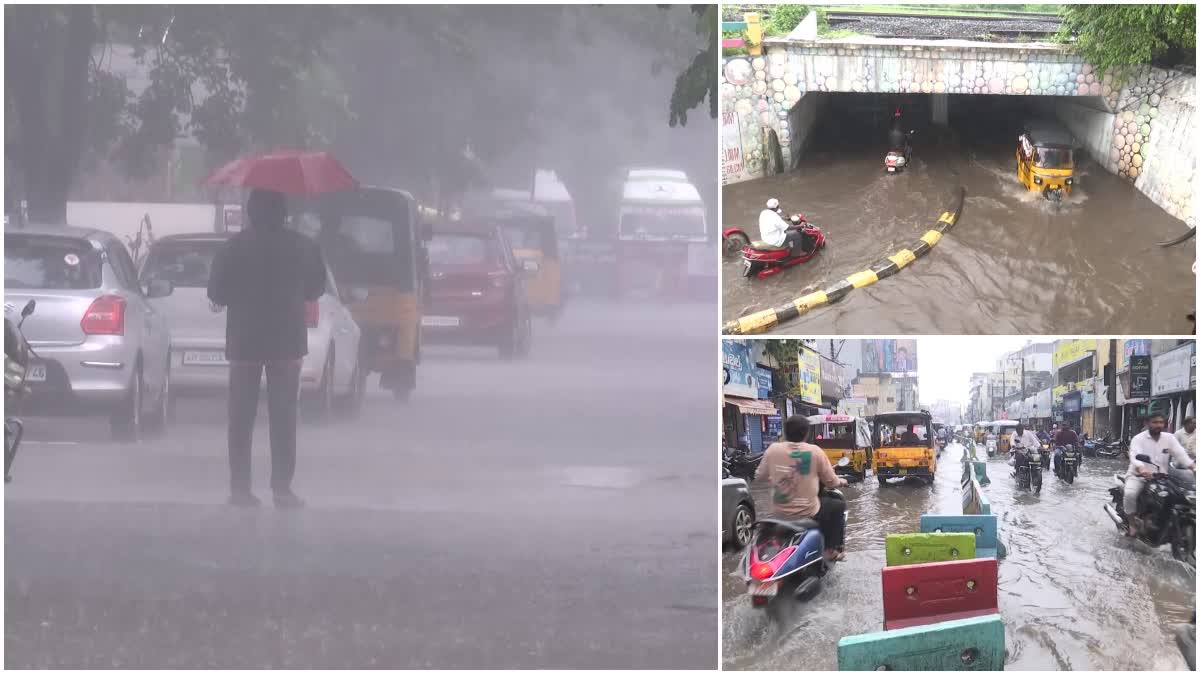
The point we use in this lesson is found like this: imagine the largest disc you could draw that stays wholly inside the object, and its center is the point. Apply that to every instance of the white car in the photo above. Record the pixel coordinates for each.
(330, 375)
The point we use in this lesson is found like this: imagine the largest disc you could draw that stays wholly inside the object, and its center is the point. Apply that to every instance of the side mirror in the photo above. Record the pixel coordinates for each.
(530, 267)
(845, 461)
(159, 288)
(426, 232)
(28, 309)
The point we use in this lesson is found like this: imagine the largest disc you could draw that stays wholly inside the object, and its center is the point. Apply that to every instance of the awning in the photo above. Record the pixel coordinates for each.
(752, 406)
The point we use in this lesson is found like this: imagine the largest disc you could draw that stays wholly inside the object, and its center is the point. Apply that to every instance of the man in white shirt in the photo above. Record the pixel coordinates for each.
(1160, 447)
(1021, 442)
(1187, 436)
(773, 229)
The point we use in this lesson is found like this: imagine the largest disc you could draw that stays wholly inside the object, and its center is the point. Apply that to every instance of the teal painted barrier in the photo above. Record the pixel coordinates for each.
(733, 25)
(976, 469)
(982, 526)
(974, 502)
(966, 644)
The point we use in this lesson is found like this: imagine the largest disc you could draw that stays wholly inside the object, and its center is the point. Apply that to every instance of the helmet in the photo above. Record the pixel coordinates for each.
(896, 114)
(772, 203)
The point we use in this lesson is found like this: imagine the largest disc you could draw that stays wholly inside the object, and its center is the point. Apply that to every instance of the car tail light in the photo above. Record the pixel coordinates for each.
(105, 316)
(312, 314)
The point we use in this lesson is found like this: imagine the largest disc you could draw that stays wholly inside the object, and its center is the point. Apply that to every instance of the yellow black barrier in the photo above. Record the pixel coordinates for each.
(760, 322)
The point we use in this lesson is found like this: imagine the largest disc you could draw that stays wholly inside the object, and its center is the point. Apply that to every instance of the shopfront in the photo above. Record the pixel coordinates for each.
(1173, 384)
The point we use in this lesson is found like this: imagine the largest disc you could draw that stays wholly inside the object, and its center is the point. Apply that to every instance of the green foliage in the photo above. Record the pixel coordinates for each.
(1115, 38)
(785, 18)
(698, 80)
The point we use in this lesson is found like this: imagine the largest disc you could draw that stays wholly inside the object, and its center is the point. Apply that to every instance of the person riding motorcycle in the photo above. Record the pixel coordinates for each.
(1161, 447)
(1065, 438)
(1021, 442)
(776, 231)
(795, 471)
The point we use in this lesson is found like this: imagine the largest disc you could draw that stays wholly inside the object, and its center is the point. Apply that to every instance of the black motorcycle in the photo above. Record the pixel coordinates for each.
(1068, 464)
(1110, 449)
(17, 357)
(1167, 506)
(1029, 474)
(742, 463)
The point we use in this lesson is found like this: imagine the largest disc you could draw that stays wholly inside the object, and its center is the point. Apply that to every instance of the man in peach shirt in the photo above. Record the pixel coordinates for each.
(795, 470)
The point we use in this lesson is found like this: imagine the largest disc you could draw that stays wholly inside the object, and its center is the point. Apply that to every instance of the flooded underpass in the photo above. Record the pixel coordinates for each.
(1014, 263)
(1074, 595)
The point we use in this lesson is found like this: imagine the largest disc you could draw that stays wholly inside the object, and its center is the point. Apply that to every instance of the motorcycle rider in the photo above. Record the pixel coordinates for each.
(1066, 437)
(774, 230)
(1160, 446)
(1021, 442)
(795, 470)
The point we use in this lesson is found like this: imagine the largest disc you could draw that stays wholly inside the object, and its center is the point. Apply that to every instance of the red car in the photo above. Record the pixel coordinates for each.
(477, 291)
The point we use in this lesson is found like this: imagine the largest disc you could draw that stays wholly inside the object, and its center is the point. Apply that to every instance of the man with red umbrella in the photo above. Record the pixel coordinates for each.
(264, 276)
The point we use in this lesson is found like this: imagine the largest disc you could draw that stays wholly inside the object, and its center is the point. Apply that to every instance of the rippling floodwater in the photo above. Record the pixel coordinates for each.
(1074, 594)
(1013, 264)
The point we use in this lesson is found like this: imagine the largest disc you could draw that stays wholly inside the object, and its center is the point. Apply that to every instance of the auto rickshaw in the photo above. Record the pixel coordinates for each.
(374, 241)
(903, 446)
(1003, 430)
(979, 432)
(844, 436)
(530, 229)
(1046, 159)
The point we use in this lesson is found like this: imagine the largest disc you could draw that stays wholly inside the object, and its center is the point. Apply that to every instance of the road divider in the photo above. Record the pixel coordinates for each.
(760, 322)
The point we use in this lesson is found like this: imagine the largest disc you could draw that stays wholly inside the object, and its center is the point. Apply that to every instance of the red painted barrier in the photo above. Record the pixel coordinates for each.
(918, 595)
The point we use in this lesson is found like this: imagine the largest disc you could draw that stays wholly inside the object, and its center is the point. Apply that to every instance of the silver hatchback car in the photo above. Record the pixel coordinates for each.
(330, 375)
(100, 346)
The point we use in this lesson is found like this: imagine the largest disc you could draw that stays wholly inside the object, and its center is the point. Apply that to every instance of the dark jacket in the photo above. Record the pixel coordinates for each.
(897, 139)
(263, 276)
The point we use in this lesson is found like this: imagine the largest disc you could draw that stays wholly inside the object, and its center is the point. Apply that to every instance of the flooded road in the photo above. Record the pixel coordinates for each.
(1073, 594)
(1013, 264)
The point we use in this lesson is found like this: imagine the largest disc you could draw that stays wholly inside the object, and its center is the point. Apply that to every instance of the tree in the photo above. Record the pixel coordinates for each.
(1114, 38)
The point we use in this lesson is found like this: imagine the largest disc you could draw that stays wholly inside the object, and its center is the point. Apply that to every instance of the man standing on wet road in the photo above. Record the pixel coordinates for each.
(264, 276)
(1161, 447)
(795, 471)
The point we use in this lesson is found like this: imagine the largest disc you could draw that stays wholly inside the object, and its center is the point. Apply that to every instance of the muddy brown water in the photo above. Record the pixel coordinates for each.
(1014, 263)
(1074, 595)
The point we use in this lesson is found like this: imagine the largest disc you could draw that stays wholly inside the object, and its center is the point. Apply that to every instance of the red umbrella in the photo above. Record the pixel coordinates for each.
(293, 172)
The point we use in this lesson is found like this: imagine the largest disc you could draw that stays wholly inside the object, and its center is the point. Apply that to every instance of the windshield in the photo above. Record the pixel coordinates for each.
(838, 436)
(1053, 158)
(462, 249)
(47, 262)
(365, 236)
(532, 238)
(896, 433)
(662, 221)
(186, 264)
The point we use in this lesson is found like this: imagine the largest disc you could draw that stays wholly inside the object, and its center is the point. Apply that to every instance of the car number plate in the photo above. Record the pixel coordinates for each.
(891, 169)
(902, 471)
(204, 359)
(441, 321)
(766, 589)
(36, 373)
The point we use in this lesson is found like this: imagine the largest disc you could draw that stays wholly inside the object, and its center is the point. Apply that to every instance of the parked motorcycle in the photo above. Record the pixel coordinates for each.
(1167, 506)
(1029, 475)
(1089, 448)
(785, 560)
(1068, 464)
(1110, 449)
(762, 260)
(17, 357)
(742, 463)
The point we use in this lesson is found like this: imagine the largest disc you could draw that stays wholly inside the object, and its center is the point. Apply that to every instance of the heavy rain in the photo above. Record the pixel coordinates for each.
(1073, 593)
(496, 447)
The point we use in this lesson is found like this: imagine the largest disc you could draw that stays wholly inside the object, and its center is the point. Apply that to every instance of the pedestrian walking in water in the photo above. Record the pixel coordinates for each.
(264, 276)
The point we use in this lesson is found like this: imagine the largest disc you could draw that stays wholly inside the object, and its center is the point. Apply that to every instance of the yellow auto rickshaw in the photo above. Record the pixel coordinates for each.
(373, 239)
(980, 432)
(844, 436)
(903, 446)
(1046, 159)
(1003, 430)
(531, 233)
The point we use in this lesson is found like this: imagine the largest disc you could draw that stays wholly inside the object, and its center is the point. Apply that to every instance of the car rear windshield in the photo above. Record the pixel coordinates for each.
(462, 249)
(186, 264)
(365, 236)
(50, 262)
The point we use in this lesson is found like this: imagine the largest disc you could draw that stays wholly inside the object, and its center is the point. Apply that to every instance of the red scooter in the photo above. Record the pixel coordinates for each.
(763, 260)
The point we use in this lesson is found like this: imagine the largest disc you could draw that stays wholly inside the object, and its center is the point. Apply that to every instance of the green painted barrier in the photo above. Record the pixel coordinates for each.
(965, 644)
(914, 548)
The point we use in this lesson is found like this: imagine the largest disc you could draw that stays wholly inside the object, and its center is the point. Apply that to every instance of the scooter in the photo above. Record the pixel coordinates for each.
(1089, 448)
(763, 260)
(17, 357)
(1110, 449)
(785, 560)
(1167, 504)
(897, 158)
(1068, 464)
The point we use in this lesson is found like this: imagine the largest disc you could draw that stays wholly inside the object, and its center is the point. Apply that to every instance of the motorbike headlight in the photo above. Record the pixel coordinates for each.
(1070, 181)
(1162, 493)
(1037, 180)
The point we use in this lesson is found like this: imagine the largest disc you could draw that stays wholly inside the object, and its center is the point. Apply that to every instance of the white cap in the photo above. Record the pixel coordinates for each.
(772, 203)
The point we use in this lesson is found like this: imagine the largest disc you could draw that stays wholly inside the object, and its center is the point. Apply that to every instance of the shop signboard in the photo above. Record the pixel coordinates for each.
(809, 365)
(1139, 377)
(888, 356)
(1174, 371)
(739, 369)
(1072, 402)
(1067, 352)
(1089, 394)
(774, 427)
(1134, 348)
(764, 381)
(831, 379)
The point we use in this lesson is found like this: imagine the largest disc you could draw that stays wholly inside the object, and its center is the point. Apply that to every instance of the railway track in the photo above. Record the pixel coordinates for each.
(960, 14)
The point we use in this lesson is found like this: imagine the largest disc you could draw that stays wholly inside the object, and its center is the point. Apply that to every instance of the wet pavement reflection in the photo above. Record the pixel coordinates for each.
(1074, 594)
(1014, 263)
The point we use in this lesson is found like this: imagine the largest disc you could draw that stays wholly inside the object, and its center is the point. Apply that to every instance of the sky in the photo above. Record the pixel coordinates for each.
(945, 363)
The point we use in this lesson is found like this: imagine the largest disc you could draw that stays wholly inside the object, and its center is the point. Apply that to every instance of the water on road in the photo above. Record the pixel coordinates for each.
(1013, 264)
(511, 515)
(1074, 595)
